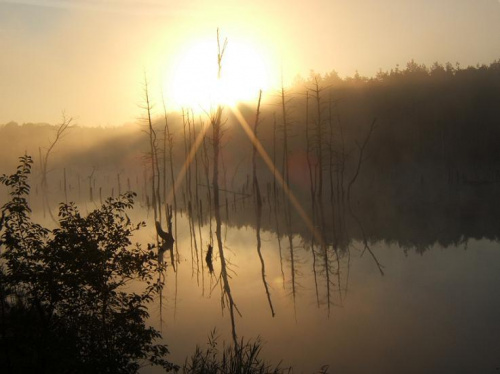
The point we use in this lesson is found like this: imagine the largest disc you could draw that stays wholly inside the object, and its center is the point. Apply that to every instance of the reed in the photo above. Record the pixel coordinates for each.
(244, 357)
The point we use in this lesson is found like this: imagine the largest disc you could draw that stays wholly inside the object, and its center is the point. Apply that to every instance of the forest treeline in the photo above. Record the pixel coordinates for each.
(432, 154)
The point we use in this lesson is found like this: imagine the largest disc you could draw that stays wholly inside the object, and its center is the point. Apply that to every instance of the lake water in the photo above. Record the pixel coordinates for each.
(431, 312)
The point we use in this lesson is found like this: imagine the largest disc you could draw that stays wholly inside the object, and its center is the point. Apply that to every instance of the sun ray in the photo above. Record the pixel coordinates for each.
(291, 196)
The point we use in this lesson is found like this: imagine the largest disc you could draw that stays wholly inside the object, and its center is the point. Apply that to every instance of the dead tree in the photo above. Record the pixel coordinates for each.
(44, 161)
(255, 184)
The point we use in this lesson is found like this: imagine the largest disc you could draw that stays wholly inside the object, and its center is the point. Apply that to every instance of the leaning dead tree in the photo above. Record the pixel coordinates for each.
(44, 161)
(362, 148)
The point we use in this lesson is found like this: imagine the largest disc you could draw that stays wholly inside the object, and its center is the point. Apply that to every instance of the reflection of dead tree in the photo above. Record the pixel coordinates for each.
(199, 213)
(278, 235)
(167, 243)
(293, 270)
(326, 258)
(362, 148)
(205, 160)
(366, 246)
(313, 252)
(192, 232)
(209, 260)
(261, 258)
(224, 184)
(44, 162)
(168, 136)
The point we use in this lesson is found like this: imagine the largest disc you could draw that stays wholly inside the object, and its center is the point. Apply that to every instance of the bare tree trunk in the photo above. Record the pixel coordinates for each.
(308, 152)
(255, 184)
(278, 236)
(319, 138)
(285, 169)
(196, 178)
(152, 147)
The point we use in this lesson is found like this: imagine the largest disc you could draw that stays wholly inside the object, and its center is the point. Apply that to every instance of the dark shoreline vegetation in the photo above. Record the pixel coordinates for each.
(65, 303)
(65, 300)
(408, 157)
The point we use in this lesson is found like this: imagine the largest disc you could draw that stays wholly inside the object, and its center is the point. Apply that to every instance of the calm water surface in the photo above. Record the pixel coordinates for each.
(432, 312)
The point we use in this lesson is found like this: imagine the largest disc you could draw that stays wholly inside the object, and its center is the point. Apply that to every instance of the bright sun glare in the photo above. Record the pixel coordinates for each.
(193, 82)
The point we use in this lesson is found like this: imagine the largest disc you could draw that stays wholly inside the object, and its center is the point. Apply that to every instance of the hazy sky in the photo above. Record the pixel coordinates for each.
(88, 57)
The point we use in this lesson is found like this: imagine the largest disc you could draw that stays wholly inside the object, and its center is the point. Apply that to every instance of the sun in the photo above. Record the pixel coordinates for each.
(192, 80)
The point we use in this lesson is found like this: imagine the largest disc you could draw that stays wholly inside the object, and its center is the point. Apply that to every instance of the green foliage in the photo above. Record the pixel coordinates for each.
(242, 358)
(66, 296)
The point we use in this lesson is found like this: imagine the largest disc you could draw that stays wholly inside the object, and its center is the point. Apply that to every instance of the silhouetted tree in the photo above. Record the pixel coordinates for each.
(65, 295)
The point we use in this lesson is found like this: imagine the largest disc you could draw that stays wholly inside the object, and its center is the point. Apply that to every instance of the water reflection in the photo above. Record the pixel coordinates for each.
(333, 306)
(423, 314)
(434, 309)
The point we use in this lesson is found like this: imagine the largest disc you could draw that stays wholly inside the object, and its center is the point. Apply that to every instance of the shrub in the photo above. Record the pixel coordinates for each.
(65, 295)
